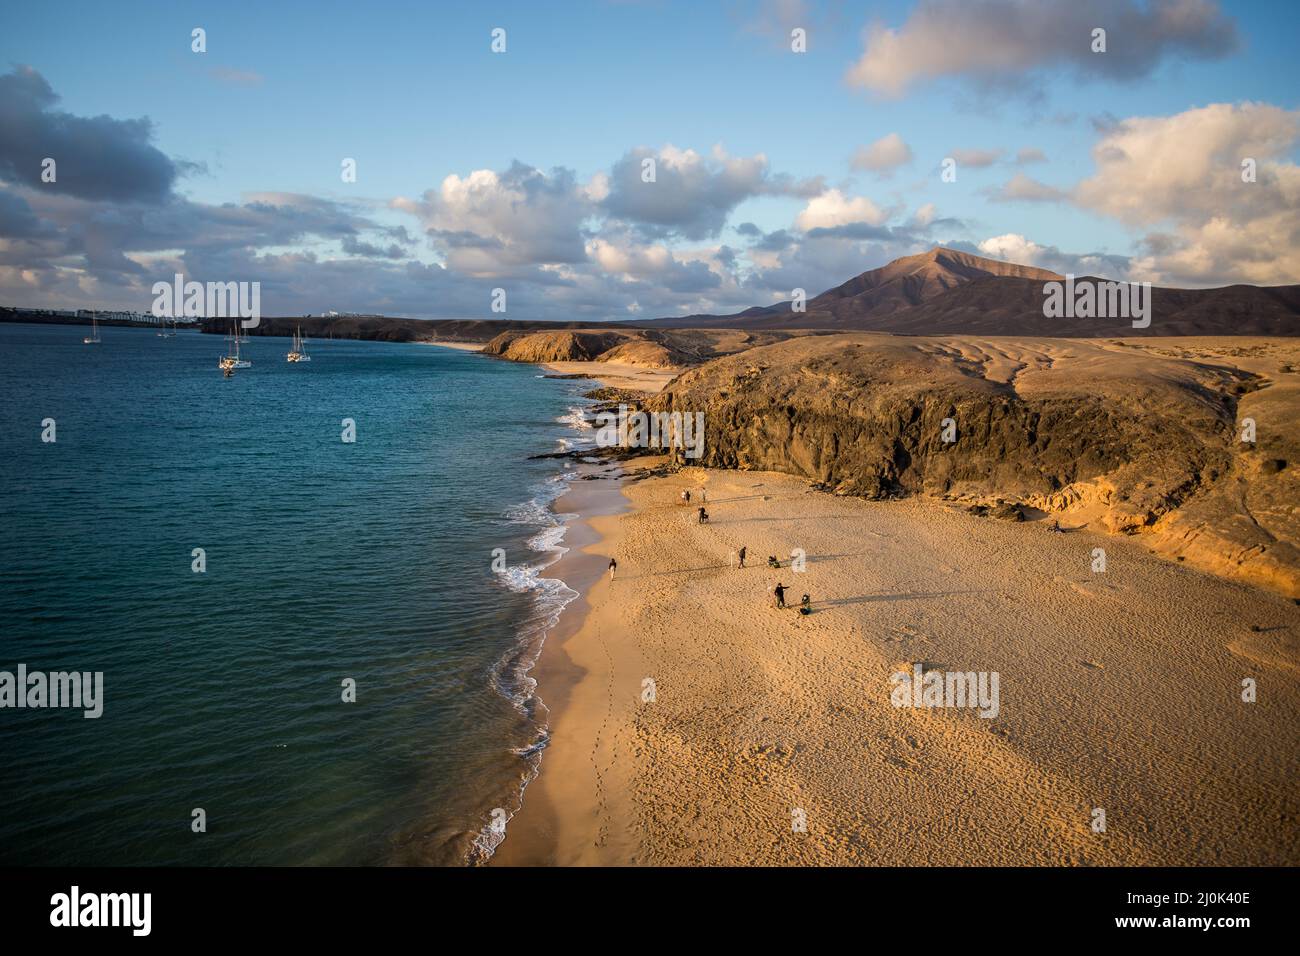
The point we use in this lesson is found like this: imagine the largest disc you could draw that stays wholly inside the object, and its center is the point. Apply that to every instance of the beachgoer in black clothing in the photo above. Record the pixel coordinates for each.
(773, 562)
(686, 497)
(704, 516)
(779, 591)
(613, 566)
(742, 557)
(805, 606)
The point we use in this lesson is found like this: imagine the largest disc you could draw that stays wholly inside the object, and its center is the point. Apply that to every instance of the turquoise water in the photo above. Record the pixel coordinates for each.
(325, 561)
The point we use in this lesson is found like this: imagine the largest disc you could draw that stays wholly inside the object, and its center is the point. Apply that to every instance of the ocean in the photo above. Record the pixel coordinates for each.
(325, 562)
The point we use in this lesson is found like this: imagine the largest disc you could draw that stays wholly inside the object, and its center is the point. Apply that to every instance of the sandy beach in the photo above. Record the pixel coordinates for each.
(617, 374)
(1119, 691)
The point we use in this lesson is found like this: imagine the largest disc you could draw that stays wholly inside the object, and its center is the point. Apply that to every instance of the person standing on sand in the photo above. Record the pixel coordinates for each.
(686, 496)
(613, 566)
(779, 591)
(742, 557)
(704, 495)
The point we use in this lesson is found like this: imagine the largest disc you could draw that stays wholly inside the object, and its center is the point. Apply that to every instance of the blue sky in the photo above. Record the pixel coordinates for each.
(413, 92)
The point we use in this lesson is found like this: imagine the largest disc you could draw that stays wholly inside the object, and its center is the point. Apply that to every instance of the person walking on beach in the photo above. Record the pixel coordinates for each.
(686, 496)
(742, 557)
(779, 591)
(704, 495)
(704, 516)
(613, 566)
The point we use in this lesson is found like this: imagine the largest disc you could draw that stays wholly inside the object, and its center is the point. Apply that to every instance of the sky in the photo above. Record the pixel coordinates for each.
(990, 126)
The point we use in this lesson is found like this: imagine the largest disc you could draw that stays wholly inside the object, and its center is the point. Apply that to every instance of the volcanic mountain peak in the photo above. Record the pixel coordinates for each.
(930, 273)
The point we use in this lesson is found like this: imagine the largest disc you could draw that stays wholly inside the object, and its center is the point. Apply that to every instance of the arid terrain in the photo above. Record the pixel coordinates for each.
(1134, 437)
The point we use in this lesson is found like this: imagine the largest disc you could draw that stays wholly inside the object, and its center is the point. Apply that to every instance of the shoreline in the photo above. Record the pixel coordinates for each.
(537, 834)
(531, 835)
(1106, 697)
(459, 346)
(594, 493)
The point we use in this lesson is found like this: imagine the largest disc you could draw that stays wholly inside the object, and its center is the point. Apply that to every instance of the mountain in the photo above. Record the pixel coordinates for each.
(1012, 306)
(947, 291)
(895, 287)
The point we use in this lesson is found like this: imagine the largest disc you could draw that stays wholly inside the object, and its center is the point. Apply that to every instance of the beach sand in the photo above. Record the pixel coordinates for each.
(462, 346)
(1119, 691)
(617, 374)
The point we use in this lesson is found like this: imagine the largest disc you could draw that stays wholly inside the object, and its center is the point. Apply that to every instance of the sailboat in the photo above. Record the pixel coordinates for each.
(299, 351)
(93, 337)
(231, 361)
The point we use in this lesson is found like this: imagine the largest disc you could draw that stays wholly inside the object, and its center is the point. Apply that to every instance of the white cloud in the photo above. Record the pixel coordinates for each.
(976, 158)
(1180, 178)
(1022, 188)
(1001, 41)
(489, 223)
(1013, 247)
(884, 155)
(690, 195)
(832, 208)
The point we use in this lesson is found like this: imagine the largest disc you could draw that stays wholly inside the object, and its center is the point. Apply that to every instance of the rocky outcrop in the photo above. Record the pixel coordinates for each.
(1118, 438)
(630, 346)
(581, 346)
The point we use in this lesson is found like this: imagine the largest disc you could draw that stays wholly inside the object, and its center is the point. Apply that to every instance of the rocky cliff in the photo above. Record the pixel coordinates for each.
(1123, 438)
(641, 347)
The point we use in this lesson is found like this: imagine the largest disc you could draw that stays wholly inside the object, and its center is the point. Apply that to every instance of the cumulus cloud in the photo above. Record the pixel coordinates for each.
(883, 156)
(1013, 247)
(627, 259)
(1022, 188)
(691, 195)
(1180, 179)
(1002, 42)
(96, 157)
(832, 208)
(490, 223)
(976, 158)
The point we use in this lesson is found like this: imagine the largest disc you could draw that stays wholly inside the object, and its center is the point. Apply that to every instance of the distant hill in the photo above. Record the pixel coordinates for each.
(946, 291)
